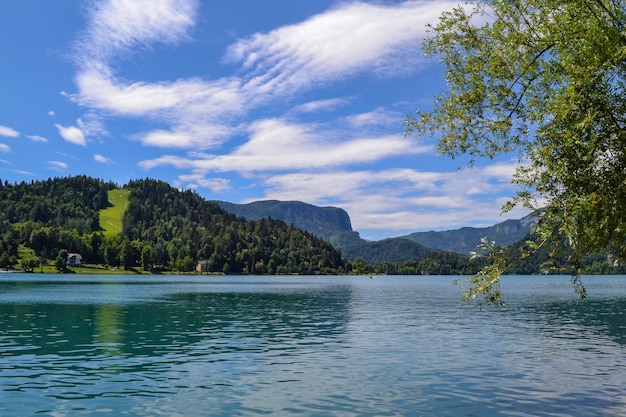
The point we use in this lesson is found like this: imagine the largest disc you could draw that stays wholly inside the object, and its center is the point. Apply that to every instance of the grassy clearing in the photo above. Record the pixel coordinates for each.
(111, 217)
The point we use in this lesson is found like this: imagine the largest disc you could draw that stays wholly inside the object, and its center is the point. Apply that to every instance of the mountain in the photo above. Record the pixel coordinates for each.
(329, 223)
(333, 225)
(466, 239)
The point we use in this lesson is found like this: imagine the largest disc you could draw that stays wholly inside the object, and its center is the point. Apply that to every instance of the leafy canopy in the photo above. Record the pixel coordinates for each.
(545, 80)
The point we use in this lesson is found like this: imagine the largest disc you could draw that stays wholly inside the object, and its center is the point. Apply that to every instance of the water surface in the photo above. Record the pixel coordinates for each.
(308, 346)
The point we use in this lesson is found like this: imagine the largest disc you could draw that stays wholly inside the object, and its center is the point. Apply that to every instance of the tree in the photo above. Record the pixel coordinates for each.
(61, 261)
(28, 258)
(5, 261)
(146, 258)
(546, 81)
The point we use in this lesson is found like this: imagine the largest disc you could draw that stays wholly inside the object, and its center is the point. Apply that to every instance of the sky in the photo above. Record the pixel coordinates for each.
(241, 101)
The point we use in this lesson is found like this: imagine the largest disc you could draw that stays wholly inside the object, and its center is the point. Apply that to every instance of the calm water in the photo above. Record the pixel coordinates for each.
(308, 346)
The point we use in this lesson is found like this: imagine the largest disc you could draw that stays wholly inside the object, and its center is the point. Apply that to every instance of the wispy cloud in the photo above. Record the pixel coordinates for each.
(4, 148)
(195, 108)
(37, 138)
(277, 145)
(116, 27)
(72, 134)
(351, 39)
(101, 159)
(199, 179)
(354, 38)
(376, 117)
(57, 165)
(321, 105)
(7, 131)
(91, 125)
(22, 172)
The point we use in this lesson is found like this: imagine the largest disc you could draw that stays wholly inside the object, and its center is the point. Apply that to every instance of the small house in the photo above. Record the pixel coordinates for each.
(74, 259)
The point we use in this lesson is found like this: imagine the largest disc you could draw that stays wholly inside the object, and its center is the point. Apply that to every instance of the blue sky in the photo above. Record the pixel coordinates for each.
(242, 100)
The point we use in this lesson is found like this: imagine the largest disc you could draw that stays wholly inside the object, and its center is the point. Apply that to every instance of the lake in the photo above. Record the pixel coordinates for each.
(308, 346)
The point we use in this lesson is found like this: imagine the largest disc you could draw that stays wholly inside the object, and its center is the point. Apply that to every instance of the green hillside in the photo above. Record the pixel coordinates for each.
(147, 226)
(111, 217)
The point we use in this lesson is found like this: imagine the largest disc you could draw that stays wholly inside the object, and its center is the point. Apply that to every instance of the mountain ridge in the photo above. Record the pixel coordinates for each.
(465, 239)
(334, 225)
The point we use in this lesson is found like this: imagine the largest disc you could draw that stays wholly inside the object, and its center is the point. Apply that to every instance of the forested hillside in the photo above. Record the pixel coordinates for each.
(401, 256)
(163, 229)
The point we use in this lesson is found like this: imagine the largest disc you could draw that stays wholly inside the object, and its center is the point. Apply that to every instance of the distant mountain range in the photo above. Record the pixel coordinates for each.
(466, 239)
(333, 224)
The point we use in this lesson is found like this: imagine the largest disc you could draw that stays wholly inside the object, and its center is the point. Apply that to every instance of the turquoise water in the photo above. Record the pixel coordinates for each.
(308, 346)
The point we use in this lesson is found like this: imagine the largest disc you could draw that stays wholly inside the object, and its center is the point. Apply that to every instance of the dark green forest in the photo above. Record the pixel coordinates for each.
(164, 229)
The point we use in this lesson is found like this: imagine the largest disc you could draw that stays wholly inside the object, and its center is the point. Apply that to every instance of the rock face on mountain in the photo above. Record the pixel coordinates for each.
(466, 239)
(329, 223)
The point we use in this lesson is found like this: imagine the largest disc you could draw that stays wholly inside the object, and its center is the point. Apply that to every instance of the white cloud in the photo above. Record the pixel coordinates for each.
(4, 148)
(199, 179)
(37, 138)
(100, 89)
(277, 145)
(427, 200)
(347, 40)
(356, 37)
(117, 26)
(200, 136)
(22, 172)
(72, 134)
(91, 125)
(57, 165)
(101, 159)
(51, 113)
(376, 117)
(321, 105)
(195, 108)
(7, 131)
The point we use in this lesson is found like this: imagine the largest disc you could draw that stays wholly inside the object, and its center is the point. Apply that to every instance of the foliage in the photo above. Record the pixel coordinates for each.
(386, 250)
(433, 263)
(162, 229)
(28, 258)
(545, 80)
(60, 262)
(181, 226)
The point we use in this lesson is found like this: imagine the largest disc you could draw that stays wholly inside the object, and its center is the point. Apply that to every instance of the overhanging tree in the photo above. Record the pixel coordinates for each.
(544, 79)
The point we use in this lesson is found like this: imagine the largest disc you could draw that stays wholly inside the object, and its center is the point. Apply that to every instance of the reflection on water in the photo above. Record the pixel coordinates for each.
(349, 346)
